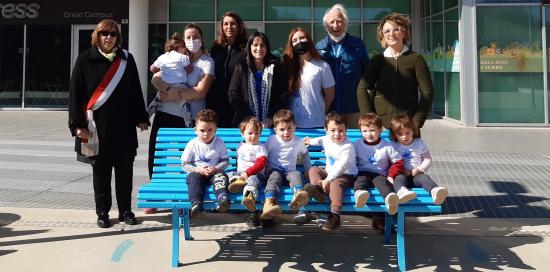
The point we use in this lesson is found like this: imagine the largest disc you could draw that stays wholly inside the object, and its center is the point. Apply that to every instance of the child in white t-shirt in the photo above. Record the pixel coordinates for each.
(378, 164)
(283, 150)
(340, 170)
(417, 158)
(251, 162)
(205, 158)
(175, 66)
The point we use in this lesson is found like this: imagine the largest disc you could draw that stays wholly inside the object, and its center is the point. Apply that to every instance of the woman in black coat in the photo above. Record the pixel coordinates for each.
(116, 119)
(227, 53)
(259, 84)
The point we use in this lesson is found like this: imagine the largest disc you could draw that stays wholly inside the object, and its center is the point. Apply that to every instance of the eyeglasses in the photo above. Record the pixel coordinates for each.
(394, 30)
(108, 33)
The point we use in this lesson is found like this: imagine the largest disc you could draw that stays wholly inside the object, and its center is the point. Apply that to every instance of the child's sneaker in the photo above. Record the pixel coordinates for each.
(249, 202)
(150, 210)
(392, 201)
(333, 222)
(300, 199)
(223, 204)
(361, 198)
(405, 195)
(302, 217)
(253, 219)
(196, 209)
(271, 208)
(314, 191)
(439, 194)
(236, 185)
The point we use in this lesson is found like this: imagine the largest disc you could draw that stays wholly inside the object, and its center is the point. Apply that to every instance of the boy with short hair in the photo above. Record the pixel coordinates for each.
(251, 161)
(205, 158)
(283, 149)
(340, 170)
(378, 163)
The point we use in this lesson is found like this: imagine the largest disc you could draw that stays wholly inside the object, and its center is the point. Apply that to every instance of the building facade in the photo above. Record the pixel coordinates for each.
(488, 58)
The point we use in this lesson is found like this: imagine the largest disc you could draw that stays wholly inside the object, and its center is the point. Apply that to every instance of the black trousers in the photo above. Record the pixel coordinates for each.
(123, 163)
(162, 119)
(366, 180)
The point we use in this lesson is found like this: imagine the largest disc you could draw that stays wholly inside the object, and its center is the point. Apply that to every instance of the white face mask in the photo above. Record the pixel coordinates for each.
(193, 45)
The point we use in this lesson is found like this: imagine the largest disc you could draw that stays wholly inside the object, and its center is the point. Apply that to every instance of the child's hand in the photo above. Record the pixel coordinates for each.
(244, 175)
(417, 171)
(211, 170)
(390, 179)
(326, 185)
(306, 140)
(201, 170)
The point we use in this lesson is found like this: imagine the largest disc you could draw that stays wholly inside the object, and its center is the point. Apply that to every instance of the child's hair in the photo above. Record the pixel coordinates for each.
(207, 116)
(337, 117)
(400, 122)
(283, 116)
(369, 119)
(174, 43)
(256, 125)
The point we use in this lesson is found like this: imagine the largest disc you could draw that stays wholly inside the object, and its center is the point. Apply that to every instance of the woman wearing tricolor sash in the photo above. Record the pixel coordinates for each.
(105, 107)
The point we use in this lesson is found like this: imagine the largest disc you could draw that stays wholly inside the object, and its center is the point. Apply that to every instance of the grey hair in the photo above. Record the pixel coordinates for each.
(340, 8)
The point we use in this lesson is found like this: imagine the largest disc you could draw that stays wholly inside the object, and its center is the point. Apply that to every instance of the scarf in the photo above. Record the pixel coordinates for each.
(267, 78)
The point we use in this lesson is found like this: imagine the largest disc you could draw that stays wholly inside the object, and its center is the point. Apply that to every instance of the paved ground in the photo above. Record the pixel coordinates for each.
(496, 218)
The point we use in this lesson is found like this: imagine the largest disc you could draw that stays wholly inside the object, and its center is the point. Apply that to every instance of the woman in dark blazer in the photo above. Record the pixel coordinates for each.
(116, 120)
(259, 83)
(227, 52)
(398, 80)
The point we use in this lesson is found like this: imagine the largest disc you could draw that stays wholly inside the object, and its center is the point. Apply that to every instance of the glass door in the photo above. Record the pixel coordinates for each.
(11, 66)
(81, 40)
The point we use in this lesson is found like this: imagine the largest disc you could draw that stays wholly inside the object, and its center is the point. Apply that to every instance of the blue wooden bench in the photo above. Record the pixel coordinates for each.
(168, 188)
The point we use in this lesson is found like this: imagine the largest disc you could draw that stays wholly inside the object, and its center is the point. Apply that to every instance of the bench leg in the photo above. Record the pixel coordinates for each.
(186, 227)
(175, 238)
(401, 242)
(387, 228)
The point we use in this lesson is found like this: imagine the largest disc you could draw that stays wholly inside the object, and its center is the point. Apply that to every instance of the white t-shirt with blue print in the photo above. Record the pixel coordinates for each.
(414, 153)
(198, 153)
(375, 158)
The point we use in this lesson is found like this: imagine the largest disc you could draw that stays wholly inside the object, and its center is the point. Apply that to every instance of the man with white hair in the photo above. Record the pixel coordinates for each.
(348, 58)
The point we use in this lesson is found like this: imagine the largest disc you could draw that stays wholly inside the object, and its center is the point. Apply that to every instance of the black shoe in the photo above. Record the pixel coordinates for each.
(333, 222)
(315, 191)
(196, 209)
(128, 218)
(253, 219)
(103, 221)
(267, 223)
(378, 222)
(223, 204)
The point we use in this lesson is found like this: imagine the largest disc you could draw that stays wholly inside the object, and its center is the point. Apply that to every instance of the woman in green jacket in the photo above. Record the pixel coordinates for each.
(398, 80)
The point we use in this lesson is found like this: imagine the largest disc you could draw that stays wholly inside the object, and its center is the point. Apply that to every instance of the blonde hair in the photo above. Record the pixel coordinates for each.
(397, 19)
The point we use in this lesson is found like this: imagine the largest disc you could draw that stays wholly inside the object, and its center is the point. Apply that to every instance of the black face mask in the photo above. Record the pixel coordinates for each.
(301, 48)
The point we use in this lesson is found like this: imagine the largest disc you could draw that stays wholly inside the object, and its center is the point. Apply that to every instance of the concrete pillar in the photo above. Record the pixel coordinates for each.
(468, 63)
(138, 38)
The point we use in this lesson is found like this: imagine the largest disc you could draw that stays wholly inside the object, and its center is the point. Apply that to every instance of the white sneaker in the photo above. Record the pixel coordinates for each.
(361, 197)
(392, 202)
(439, 194)
(405, 195)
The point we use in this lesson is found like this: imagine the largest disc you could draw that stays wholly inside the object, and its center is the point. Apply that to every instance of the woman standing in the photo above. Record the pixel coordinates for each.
(227, 52)
(311, 83)
(105, 90)
(259, 83)
(399, 80)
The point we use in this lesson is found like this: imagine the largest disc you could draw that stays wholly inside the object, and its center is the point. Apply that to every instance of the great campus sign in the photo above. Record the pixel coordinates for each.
(59, 12)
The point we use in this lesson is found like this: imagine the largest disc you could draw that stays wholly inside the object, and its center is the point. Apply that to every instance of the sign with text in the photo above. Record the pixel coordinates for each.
(512, 58)
(59, 12)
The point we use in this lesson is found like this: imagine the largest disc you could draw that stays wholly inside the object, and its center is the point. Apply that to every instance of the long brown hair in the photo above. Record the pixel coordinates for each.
(241, 33)
(291, 61)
